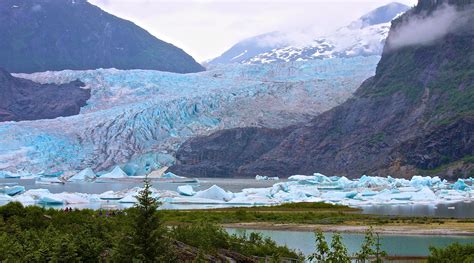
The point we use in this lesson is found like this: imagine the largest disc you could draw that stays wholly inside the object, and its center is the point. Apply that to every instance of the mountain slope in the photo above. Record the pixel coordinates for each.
(41, 35)
(250, 47)
(363, 37)
(22, 99)
(414, 116)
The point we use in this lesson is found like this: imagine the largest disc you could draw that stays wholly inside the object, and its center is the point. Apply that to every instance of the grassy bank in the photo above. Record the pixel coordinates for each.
(308, 216)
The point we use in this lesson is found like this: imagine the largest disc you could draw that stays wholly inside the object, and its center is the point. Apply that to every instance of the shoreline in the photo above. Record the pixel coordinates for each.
(395, 230)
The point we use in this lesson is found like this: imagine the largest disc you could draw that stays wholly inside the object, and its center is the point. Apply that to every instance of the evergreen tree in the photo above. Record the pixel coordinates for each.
(147, 241)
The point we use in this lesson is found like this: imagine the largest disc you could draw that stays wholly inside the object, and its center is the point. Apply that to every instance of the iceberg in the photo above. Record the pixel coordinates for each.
(170, 175)
(266, 178)
(110, 195)
(12, 190)
(84, 175)
(461, 185)
(50, 199)
(49, 180)
(355, 192)
(5, 198)
(129, 199)
(7, 174)
(186, 190)
(215, 193)
(116, 173)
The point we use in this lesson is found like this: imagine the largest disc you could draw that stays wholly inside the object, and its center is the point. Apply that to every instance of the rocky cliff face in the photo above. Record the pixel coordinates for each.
(414, 116)
(22, 99)
(41, 35)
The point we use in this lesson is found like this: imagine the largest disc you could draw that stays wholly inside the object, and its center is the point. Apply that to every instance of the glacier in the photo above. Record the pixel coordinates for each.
(138, 118)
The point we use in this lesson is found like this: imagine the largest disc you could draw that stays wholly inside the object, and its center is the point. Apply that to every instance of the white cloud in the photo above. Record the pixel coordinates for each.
(423, 29)
(206, 28)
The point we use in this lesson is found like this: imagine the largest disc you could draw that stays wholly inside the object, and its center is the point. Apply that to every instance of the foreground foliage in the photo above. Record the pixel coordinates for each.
(454, 253)
(34, 234)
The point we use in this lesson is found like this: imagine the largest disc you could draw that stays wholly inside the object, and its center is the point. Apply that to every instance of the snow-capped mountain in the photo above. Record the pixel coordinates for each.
(138, 118)
(363, 37)
(249, 48)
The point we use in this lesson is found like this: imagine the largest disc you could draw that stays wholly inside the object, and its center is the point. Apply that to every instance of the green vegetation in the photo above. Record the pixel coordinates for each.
(208, 237)
(370, 250)
(34, 234)
(454, 253)
(448, 164)
(296, 213)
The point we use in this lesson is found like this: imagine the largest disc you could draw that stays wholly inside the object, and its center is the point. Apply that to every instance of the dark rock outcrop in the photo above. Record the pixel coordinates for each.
(41, 35)
(22, 99)
(414, 114)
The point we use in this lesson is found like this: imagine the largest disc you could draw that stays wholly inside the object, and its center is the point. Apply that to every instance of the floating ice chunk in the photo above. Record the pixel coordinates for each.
(192, 200)
(308, 190)
(344, 183)
(291, 196)
(130, 199)
(407, 189)
(12, 190)
(171, 175)
(402, 196)
(24, 199)
(279, 187)
(7, 174)
(321, 178)
(461, 185)
(215, 193)
(72, 198)
(425, 194)
(50, 199)
(337, 196)
(372, 181)
(266, 178)
(5, 198)
(49, 180)
(301, 177)
(84, 175)
(419, 181)
(368, 193)
(116, 173)
(186, 190)
(110, 195)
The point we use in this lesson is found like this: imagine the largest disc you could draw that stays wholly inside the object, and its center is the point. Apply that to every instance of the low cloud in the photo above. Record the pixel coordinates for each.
(424, 29)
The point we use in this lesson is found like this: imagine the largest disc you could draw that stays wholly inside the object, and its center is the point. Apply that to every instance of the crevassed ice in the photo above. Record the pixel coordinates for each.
(138, 118)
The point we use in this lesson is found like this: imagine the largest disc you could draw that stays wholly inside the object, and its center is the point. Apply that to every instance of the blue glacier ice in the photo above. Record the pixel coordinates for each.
(186, 190)
(138, 118)
(84, 175)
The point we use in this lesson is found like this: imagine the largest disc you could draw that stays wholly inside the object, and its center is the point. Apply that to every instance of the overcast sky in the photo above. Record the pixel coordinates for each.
(206, 28)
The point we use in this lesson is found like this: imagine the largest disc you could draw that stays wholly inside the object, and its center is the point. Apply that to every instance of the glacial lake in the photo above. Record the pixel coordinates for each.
(461, 209)
(394, 245)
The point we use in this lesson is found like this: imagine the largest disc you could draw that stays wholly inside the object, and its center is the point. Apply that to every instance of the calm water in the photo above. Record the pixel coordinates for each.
(394, 245)
(233, 185)
(461, 210)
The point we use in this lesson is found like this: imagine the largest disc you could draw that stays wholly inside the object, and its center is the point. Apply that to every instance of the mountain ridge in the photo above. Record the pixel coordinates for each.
(366, 37)
(42, 35)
